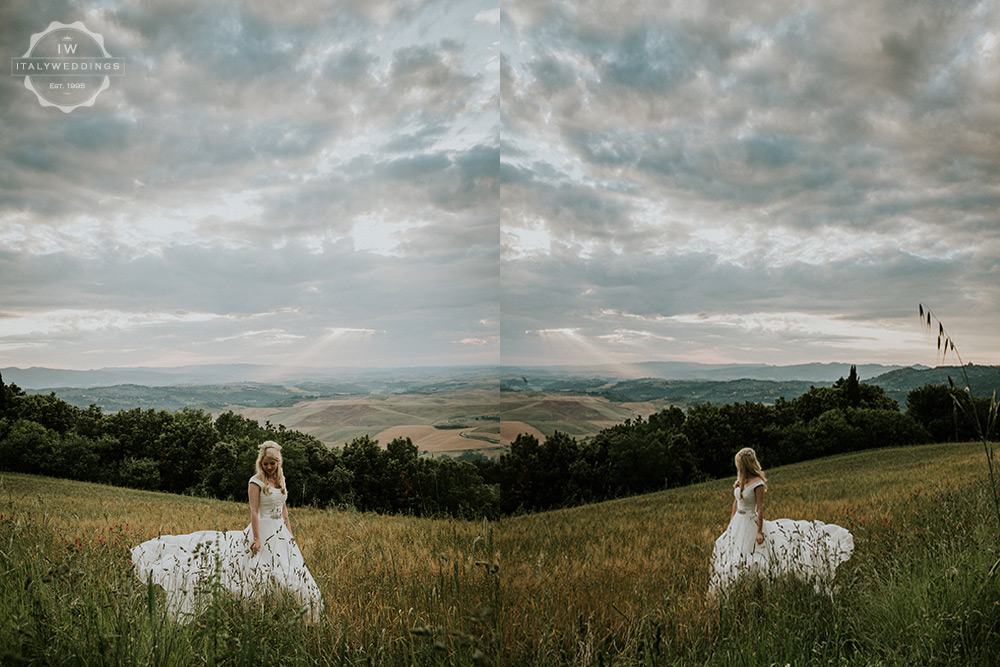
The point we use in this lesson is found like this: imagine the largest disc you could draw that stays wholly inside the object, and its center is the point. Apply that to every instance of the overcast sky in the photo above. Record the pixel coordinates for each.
(270, 182)
(431, 182)
(737, 181)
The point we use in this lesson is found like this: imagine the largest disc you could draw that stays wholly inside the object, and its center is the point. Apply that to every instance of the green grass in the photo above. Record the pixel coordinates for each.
(617, 583)
(397, 590)
(625, 582)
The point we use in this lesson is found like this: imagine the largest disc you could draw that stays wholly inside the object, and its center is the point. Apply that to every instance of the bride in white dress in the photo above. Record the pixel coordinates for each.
(259, 560)
(808, 550)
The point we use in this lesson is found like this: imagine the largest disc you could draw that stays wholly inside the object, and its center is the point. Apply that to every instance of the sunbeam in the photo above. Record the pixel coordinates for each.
(339, 346)
(567, 345)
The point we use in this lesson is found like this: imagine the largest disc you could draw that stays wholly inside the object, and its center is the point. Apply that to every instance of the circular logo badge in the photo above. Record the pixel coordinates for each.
(67, 66)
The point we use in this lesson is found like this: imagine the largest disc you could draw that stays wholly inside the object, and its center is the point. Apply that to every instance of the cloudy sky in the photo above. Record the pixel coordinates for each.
(303, 183)
(423, 182)
(773, 182)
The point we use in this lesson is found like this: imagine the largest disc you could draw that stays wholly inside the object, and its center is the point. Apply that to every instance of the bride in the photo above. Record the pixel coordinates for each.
(261, 559)
(808, 550)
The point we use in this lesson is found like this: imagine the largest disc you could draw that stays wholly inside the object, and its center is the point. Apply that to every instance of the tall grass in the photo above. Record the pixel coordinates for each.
(984, 425)
(625, 582)
(397, 590)
(618, 583)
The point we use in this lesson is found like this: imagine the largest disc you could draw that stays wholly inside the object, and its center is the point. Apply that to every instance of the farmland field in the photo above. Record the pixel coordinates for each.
(437, 423)
(451, 423)
(621, 582)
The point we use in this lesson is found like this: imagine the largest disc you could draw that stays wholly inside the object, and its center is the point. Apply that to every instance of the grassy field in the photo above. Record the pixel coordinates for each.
(397, 590)
(617, 583)
(625, 581)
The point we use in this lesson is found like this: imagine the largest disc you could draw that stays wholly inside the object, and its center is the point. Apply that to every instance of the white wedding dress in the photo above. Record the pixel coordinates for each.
(808, 550)
(187, 566)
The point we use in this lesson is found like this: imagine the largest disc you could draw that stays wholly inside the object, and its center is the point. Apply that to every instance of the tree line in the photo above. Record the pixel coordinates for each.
(676, 448)
(189, 452)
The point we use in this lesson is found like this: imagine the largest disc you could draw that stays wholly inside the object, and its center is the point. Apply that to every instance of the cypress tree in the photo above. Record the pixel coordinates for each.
(852, 390)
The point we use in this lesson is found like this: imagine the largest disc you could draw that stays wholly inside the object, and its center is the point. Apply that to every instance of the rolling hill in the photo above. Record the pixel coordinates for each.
(456, 411)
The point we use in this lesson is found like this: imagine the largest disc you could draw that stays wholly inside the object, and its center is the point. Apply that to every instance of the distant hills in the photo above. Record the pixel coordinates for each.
(736, 384)
(673, 370)
(218, 387)
(393, 379)
(362, 380)
(983, 380)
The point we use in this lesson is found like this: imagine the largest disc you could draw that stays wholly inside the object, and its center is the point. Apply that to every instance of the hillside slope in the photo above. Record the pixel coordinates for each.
(641, 564)
(983, 380)
(620, 582)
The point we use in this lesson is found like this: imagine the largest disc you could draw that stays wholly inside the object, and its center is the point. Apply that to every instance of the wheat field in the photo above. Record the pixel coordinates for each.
(622, 582)
(604, 579)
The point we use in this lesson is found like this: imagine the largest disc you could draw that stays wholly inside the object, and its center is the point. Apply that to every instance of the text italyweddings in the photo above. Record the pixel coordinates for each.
(44, 66)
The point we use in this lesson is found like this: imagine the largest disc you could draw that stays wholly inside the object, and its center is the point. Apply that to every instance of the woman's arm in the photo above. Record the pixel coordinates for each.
(733, 513)
(288, 524)
(758, 494)
(253, 493)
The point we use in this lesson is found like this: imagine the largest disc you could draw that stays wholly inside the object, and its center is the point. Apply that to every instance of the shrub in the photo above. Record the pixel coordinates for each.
(141, 473)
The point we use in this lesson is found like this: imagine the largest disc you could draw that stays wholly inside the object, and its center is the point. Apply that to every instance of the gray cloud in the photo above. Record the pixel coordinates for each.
(258, 177)
(748, 163)
(738, 181)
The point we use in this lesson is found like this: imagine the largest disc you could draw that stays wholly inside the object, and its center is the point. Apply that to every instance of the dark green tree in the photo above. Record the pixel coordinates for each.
(181, 449)
(373, 487)
(712, 439)
(228, 468)
(816, 401)
(554, 459)
(402, 461)
(751, 426)
(137, 431)
(850, 389)
(139, 473)
(519, 474)
(48, 410)
(935, 407)
(24, 444)
(70, 456)
(231, 426)
(90, 422)
(453, 488)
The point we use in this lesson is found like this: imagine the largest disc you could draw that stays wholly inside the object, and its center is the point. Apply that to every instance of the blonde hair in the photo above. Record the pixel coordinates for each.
(747, 466)
(271, 450)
